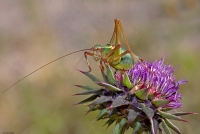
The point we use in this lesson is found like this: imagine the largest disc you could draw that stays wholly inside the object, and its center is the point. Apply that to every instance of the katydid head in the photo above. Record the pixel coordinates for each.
(97, 52)
(97, 47)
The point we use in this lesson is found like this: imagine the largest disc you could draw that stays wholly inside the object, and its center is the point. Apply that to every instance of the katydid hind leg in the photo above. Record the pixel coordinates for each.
(113, 36)
(118, 56)
(119, 25)
(118, 30)
(131, 52)
(113, 51)
(116, 34)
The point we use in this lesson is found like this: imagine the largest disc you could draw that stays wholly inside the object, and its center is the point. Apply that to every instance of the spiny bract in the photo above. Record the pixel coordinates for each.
(139, 98)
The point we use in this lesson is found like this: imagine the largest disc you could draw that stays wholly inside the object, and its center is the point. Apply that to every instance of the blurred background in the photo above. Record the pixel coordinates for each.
(34, 32)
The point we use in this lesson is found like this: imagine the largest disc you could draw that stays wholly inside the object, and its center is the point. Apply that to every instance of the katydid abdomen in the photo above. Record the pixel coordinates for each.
(126, 62)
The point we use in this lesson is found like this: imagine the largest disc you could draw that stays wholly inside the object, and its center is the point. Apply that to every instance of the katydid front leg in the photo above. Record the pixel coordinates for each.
(88, 64)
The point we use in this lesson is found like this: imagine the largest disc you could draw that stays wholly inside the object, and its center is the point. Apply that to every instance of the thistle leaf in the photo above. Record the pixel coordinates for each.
(160, 102)
(172, 126)
(112, 112)
(126, 81)
(148, 111)
(183, 113)
(137, 127)
(117, 102)
(92, 77)
(165, 127)
(104, 76)
(109, 122)
(116, 129)
(102, 99)
(167, 109)
(170, 116)
(91, 98)
(151, 96)
(89, 92)
(92, 108)
(160, 130)
(110, 75)
(142, 94)
(132, 115)
(102, 114)
(86, 87)
(122, 125)
(109, 87)
(154, 126)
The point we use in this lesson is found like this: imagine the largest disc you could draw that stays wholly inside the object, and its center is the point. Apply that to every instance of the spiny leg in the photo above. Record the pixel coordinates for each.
(116, 34)
(113, 36)
(119, 56)
(123, 34)
(113, 50)
(120, 29)
(88, 64)
(91, 54)
(101, 65)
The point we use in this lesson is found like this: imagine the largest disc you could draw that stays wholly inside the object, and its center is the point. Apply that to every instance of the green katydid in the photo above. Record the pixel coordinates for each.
(112, 54)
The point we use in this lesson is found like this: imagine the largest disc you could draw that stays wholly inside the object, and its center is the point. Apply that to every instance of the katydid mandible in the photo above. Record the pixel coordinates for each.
(112, 54)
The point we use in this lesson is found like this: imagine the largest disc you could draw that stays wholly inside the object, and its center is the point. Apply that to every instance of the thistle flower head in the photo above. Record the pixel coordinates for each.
(159, 80)
(139, 98)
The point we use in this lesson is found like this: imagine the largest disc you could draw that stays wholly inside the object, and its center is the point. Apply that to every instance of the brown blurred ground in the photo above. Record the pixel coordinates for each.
(34, 32)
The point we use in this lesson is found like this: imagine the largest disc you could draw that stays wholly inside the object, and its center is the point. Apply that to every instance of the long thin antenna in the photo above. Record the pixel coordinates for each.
(44, 66)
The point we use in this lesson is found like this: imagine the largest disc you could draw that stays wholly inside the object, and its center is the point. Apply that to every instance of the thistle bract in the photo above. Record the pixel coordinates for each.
(139, 98)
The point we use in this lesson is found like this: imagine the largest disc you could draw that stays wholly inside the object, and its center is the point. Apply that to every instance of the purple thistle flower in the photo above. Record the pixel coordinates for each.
(159, 80)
